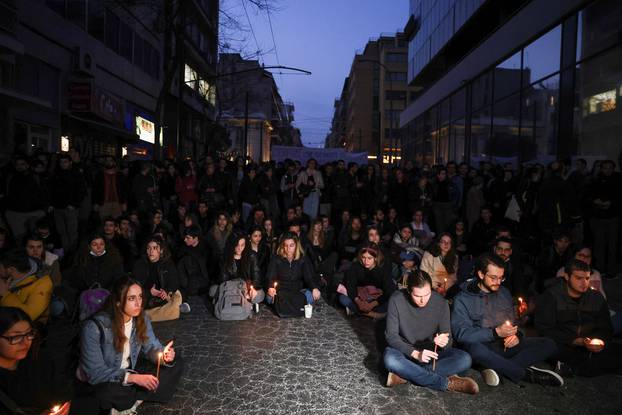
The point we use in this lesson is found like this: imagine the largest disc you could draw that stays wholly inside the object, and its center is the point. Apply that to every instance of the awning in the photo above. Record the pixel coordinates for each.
(120, 132)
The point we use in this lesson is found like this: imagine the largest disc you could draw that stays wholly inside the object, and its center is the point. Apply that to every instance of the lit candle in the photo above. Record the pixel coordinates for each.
(507, 322)
(55, 409)
(520, 306)
(160, 357)
(445, 285)
(597, 342)
(275, 284)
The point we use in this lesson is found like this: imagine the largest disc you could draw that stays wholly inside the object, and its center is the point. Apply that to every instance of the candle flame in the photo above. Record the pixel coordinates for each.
(520, 299)
(508, 322)
(275, 284)
(445, 279)
(55, 408)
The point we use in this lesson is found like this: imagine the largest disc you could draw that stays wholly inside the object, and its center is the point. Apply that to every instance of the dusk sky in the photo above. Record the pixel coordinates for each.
(322, 37)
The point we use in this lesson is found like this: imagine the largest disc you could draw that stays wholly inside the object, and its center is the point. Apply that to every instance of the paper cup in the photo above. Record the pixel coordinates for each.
(308, 311)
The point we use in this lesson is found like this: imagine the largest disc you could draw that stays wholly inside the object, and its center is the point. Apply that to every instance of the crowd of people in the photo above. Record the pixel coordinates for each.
(486, 266)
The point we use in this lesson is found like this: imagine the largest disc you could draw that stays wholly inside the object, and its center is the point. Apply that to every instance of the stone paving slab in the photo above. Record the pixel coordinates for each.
(329, 365)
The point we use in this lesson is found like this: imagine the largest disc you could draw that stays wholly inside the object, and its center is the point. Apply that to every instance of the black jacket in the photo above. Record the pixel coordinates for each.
(67, 187)
(104, 270)
(193, 267)
(161, 274)
(291, 276)
(563, 319)
(379, 276)
(246, 269)
(99, 188)
(24, 193)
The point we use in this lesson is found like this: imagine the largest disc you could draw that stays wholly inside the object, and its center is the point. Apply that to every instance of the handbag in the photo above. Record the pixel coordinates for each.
(288, 304)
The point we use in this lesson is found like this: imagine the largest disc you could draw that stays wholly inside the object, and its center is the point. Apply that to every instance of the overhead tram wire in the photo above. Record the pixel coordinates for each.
(276, 52)
(259, 54)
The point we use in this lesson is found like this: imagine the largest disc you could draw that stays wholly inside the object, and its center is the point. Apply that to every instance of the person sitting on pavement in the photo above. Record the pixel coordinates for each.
(577, 319)
(193, 265)
(290, 271)
(482, 321)
(35, 382)
(552, 258)
(584, 253)
(111, 342)
(402, 241)
(368, 284)
(157, 273)
(95, 265)
(441, 263)
(516, 279)
(239, 263)
(23, 288)
(47, 262)
(418, 324)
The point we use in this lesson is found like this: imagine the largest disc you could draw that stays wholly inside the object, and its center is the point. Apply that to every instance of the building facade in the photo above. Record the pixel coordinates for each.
(366, 115)
(252, 109)
(89, 74)
(514, 82)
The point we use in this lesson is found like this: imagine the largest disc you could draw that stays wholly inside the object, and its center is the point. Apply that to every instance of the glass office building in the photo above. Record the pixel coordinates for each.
(546, 82)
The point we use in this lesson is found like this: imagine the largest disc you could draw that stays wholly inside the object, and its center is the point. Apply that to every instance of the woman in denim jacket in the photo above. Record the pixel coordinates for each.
(110, 344)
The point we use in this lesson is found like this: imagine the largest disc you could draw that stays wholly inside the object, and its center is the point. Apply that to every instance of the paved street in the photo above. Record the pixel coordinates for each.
(328, 365)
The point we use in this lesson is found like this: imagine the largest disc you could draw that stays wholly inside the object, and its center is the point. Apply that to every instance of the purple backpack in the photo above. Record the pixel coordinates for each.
(91, 301)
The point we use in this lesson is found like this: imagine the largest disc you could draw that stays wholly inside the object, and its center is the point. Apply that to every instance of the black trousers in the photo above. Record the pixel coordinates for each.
(95, 399)
(584, 363)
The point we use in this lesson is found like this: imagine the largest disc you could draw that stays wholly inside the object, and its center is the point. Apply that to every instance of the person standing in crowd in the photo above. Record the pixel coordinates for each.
(111, 343)
(145, 190)
(268, 192)
(573, 315)
(515, 278)
(482, 321)
(186, 186)
(67, 189)
(25, 199)
(249, 191)
(442, 204)
(211, 188)
(552, 258)
(110, 190)
(309, 185)
(605, 203)
(417, 325)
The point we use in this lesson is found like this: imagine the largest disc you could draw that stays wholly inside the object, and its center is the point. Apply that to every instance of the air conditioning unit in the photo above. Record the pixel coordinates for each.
(84, 62)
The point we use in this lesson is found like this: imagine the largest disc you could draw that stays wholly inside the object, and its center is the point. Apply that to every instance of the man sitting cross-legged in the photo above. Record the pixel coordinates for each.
(482, 322)
(418, 334)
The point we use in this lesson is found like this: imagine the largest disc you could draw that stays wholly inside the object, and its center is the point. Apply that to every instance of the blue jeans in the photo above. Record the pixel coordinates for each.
(512, 362)
(450, 362)
(307, 293)
(347, 302)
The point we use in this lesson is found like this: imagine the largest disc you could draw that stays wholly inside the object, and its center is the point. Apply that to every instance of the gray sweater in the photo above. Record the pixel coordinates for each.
(410, 327)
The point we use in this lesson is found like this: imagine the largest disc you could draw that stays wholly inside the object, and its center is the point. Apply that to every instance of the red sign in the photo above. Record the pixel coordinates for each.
(80, 96)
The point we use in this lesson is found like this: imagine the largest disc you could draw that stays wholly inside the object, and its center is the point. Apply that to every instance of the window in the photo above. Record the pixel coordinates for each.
(396, 58)
(395, 76)
(112, 31)
(542, 57)
(480, 135)
(539, 121)
(508, 76)
(598, 27)
(482, 91)
(96, 20)
(395, 95)
(505, 130)
(456, 151)
(127, 41)
(138, 51)
(458, 104)
(598, 111)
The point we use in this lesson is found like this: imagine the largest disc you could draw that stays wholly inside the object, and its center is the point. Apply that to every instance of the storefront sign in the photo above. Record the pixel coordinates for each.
(145, 130)
(80, 96)
(107, 106)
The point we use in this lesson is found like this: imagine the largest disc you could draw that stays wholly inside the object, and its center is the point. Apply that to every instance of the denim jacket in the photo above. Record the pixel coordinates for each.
(100, 362)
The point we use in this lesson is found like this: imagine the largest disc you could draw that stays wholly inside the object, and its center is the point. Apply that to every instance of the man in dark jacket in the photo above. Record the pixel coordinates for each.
(515, 278)
(145, 190)
(192, 264)
(68, 189)
(482, 322)
(25, 199)
(417, 325)
(552, 258)
(577, 318)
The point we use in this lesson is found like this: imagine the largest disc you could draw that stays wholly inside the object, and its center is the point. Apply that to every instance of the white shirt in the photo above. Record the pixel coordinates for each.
(127, 330)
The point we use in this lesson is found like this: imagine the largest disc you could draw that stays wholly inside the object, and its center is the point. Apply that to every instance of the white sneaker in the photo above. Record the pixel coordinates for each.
(256, 308)
(132, 411)
(184, 308)
(490, 377)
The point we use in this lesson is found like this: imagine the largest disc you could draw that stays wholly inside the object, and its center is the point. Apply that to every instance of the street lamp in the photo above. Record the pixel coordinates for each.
(391, 112)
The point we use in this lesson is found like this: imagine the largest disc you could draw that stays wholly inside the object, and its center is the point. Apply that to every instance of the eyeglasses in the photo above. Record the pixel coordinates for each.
(495, 278)
(21, 337)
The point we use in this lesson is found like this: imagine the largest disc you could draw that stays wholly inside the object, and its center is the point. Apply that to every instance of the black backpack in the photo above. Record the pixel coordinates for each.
(290, 303)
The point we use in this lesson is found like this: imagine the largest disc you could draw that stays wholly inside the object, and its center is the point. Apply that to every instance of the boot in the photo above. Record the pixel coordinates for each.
(394, 379)
(464, 385)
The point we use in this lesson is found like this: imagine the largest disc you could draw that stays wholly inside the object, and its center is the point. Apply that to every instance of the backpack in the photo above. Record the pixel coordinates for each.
(290, 303)
(232, 303)
(92, 300)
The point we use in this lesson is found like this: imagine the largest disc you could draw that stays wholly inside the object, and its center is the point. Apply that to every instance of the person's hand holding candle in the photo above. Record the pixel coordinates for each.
(441, 340)
(168, 354)
(59, 409)
(510, 341)
(272, 290)
(594, 345)
(522, 306)
(506, 329)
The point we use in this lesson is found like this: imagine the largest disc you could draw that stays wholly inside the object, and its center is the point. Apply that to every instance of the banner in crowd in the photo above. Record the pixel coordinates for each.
(322, 155)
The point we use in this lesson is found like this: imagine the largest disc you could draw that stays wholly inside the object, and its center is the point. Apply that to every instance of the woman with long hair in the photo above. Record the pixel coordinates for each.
(29, 379)
(270, 234)
(157, 272)
(441, 263)
(290, 271)
(368, 284)
(216, 239)
(240, 263)
(111, 342)
(259, 248)
(323, 257)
